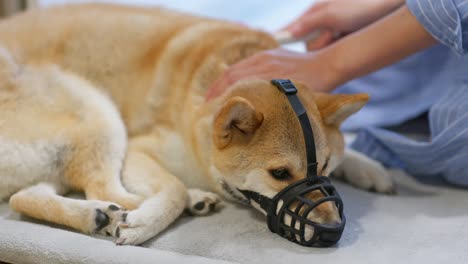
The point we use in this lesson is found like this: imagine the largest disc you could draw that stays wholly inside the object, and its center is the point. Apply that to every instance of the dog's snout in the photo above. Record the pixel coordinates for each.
(326, 213)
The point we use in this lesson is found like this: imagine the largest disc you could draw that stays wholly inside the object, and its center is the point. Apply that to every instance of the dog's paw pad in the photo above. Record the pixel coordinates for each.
(101, 219)
(202, 203)
(107, 217)
(199, 206)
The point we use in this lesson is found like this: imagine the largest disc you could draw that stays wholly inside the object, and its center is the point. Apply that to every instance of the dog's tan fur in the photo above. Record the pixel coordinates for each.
(93, 96)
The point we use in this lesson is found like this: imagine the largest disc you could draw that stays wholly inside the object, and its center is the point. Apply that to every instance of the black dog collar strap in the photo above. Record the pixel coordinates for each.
(288, 88)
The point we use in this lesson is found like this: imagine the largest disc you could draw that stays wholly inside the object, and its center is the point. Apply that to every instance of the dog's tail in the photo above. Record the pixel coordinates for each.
(9, 68)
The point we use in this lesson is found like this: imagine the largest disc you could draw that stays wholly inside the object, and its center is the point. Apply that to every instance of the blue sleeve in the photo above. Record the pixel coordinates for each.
(445, 20)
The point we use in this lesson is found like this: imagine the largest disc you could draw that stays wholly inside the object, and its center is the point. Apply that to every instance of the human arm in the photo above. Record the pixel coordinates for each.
(333, 19)
(382, 43)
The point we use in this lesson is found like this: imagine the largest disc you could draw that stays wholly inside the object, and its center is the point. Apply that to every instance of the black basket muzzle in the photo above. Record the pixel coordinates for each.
(293, 200)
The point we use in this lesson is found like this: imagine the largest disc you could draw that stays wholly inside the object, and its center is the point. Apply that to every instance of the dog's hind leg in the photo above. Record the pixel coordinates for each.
(107, 186)
(42, 201)
(95, 167)
(96, 161)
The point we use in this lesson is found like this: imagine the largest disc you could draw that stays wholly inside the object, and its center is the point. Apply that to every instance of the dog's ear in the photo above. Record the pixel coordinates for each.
(335, 108)
(236, 120)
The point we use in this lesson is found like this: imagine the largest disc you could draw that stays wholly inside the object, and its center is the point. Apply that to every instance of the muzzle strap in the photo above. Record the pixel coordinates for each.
(288, 88)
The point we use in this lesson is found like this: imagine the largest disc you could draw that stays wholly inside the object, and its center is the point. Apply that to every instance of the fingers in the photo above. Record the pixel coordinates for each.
(237, 71)
(326, 37)
(217, 88)
(305, 25)
(222, 83)
(313, 19)
(227, 79)
(265, 65)
(315, 27)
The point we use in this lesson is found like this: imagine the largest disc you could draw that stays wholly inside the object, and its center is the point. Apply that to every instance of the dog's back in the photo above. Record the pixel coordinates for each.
(153, 63)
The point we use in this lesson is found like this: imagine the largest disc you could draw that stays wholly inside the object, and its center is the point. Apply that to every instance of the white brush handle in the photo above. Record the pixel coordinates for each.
(285, 37)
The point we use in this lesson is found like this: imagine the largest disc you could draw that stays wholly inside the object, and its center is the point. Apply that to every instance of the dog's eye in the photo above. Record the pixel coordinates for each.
(280, 174)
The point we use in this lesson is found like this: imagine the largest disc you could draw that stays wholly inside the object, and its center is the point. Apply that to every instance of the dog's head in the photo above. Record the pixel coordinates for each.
(259, 145)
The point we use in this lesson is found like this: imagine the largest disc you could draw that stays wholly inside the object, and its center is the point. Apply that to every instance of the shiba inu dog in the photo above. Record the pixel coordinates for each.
(109, 100)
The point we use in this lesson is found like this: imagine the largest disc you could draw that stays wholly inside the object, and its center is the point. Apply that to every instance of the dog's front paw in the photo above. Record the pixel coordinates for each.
(137, 228)
(106, 217)
(202, 203)
(129, 232)
(364, 173)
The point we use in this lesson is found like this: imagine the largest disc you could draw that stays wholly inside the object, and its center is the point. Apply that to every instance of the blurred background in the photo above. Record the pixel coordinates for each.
(265, 14)
(269, 15)
(8, 7)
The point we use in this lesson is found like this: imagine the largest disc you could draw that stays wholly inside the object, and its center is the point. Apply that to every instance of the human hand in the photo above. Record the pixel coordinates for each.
(387, 41)
(312, 69)
(335, 18)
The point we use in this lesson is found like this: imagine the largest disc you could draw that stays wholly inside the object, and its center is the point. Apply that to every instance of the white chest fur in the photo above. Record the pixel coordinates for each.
(174, 155)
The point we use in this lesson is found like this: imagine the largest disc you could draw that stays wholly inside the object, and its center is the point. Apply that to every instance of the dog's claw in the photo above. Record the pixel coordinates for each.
(120, 241)
(124, 225)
